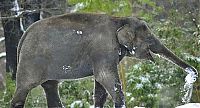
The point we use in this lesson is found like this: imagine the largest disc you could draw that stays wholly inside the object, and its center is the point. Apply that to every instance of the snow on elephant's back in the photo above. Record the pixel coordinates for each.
(190, 105)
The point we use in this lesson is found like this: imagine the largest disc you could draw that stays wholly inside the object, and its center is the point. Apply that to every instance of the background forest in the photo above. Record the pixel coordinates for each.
(146, 84)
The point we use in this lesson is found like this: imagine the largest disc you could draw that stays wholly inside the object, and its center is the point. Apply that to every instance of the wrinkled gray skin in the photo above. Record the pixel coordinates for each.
(74, 46)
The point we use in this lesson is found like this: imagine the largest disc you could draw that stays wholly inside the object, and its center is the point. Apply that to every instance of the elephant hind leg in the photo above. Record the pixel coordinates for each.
(51, 90)
(100, 95)
(21, 93)
(27, 79)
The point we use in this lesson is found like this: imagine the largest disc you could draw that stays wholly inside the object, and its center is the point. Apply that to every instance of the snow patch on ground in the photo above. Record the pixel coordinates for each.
(78, 102)
(188, 56)
(138, 107)
(190, 105)
(92, 106)
(139, 86)
(78, 7)
(137, 66)
(144, 79)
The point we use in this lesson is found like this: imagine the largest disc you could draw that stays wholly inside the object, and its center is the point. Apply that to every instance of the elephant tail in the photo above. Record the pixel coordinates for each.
(20, 45)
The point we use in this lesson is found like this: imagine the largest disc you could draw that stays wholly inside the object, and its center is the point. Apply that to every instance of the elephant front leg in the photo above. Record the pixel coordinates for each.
(106, 74)
(100, 95)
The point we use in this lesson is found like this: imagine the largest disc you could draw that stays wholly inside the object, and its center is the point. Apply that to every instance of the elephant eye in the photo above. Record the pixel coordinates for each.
(129, 33)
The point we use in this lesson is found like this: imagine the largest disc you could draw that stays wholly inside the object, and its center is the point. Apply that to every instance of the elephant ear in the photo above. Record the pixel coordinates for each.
(125, 37)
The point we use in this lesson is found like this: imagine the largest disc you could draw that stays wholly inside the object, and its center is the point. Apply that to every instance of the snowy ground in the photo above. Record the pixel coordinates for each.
(190, 105)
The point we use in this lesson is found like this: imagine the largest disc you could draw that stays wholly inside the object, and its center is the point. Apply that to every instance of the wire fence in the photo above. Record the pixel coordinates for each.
(10, 10)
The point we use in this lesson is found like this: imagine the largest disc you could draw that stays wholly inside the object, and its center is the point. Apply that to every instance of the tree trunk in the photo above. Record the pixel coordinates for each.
(53, 7)
(31, 12)
(12, 33)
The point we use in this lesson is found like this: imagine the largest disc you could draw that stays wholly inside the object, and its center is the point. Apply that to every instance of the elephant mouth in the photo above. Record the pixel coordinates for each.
(150, 56)
(142, 53)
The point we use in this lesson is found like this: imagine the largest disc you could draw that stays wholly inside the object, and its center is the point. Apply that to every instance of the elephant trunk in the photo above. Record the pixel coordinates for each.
(171, 56)
(158, 48)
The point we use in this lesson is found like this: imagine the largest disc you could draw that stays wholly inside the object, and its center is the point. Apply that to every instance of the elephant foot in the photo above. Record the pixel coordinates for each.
(18, 105)
(120, 106)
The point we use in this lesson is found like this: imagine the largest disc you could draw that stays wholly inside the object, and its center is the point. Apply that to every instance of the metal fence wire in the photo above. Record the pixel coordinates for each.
(14, 9)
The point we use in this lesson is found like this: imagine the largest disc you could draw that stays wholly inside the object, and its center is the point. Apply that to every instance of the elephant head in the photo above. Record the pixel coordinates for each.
(140, 42)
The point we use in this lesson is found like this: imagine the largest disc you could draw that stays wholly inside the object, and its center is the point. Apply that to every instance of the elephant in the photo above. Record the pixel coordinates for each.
(78, 45)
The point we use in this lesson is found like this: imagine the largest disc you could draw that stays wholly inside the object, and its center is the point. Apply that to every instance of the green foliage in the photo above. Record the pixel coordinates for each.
(154, 84)
(141, 90)
(111, 7)
(36, 98)
(148, 9)
(6, 95)
(73, 91)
